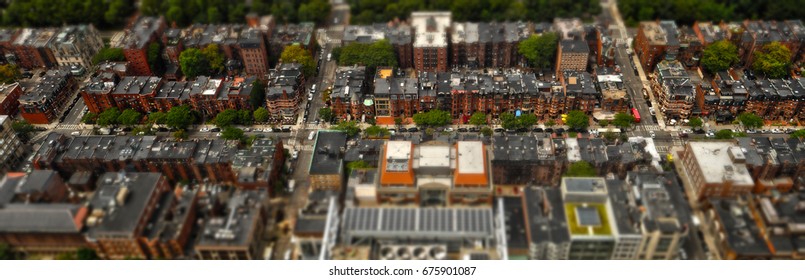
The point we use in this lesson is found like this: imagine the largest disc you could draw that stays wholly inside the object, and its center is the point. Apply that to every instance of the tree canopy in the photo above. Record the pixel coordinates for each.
(724, 134)
(540, 50)
(688, 11)
(373, 11)
(129, 117)
(108, 117)
(232, 133)
(773, 60)
(478, 119)
(577, 120)
(376, 131)
(180, 117)
(750, 120)
(226, 118)
(434, 117)
(185, 12)
(193, 63)
(510, 121)
(108, 54)
(798, 134)
(22, 129)
(719, 56)
(39, 13)
(261, 115)
(379, 53)
(257, 97)
(623, 120)
(314, 11)
(326, 114)
(695, 122)
(157, 117)
(348, 127)
(298, 54)
(9, 73)
(580, 169)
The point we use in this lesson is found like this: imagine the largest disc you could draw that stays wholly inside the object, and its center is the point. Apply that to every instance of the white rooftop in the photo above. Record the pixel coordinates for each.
(470, 157)
(430, 29)
(434, 156)
(721, 162)
(400, 150)
(573, 152)
(609, 78)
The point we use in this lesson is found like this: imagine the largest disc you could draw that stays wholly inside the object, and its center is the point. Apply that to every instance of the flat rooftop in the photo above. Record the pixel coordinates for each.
(430, 29)
(721, 162)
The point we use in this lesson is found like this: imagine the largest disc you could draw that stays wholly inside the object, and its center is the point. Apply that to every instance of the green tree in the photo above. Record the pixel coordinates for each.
(129, 117)
(151, 7)
(580, 169)
(9, 73)
(610, 136)
(245, 117)
(226, 118)
(315, 11)
(798, 134)
(380, 53)
(478, 119)
(326, 114)
(486, 131)
(89, 118)
(155, 58)
(180, 117)
(261, 115)
(5, 252)
(214, 57)
(348, 127)
(526, 120)
(434, 117)
(117, 12)
(108, 117)
(297, 54)
(623, 120)
(550, 123)
(749, 120)
(719, 56)
(359, 164)
(540, 50)
(377, 131)
(180, 134)
(696, 122)
(237, 12)
(22, 128)
(577, 120)
(214, 15)
(175, 15)
(232, 133)
(86, 254)
(257, 98)
(193, 63)
(724, 134)
(603, 123)
(773, 59)
(157, 117)
(108, 54)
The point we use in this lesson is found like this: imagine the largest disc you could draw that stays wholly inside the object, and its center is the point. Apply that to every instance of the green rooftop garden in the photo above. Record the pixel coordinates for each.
(576, 228)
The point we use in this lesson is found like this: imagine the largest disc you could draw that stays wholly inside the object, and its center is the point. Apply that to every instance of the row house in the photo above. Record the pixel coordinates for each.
(572, 55)
(656, 41)
(285, 89)
(774, 163)
(302, 34)
(150, 94)
(347, 96)
(776, 99)
(690, 47)
(725, 98)
(758, 33)
(43, 103)
(487, 45)
(32, 48)
(397, 34)
(613, 92)
(244, 48)
(135, 41)
(76, 45)
(580, 92)
(213, 161)
(9, 98)
(431, 42)
(674, 88)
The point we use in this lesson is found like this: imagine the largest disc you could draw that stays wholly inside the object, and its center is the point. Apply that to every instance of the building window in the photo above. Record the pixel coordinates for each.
(663, 244)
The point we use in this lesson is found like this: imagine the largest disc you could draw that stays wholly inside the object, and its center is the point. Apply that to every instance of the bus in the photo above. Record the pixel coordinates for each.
(636, 115)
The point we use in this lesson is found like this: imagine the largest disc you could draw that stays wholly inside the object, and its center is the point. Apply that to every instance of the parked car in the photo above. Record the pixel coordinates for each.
(215, 129)
(475, 129)
(461, 129)
(413, 129)
(449, 129)
(499, 129)
(537, 129)
(286, 129)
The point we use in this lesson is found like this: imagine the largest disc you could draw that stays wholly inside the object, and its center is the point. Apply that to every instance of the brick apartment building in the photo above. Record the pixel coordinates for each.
(9, 98)
(487, 45)
(136, 40)
(76, 45)
(213, 161)
(716, 169)
(674, 88)
(347, 98)
(656, 41)
(12, 150)
(244, 48)
(121, 208)
(327, 163)
(397, 34)
(572, 55)
(43, 103)
(431, 41)
(613, 92)
(32, 48)
(285, 89)
(758, 33)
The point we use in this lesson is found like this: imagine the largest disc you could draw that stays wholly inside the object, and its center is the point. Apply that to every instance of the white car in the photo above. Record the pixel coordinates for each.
(449, 129)
(205, 129)
(710, 134)
(258, 130)
(295, 154)
(776, 131)
(75, 133)
(218, 134)
(309, 97)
